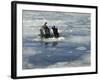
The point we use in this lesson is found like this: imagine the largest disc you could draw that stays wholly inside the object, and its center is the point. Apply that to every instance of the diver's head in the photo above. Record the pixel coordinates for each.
(45, 22)
(54, 26)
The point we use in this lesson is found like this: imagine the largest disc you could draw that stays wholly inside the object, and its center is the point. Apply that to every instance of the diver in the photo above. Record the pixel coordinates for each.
(41, 33)
(55, 32)
(46, 30)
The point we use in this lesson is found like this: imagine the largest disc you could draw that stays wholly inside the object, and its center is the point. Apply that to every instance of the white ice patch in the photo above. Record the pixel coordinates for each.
(81, 48)
(53, 39)
(52, 49)
(49, 39)
(70, 52)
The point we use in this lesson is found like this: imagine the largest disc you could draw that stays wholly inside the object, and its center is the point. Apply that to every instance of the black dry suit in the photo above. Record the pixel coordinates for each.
(55, 32)
(47, 32)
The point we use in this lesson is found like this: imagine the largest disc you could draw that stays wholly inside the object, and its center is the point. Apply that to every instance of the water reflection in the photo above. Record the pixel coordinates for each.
(54, 43)
(46, 44)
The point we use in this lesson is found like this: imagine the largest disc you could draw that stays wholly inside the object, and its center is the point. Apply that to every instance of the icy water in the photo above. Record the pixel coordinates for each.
(72, 49)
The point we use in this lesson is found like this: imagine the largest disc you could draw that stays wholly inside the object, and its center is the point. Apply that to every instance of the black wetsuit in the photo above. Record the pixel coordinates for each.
(55, 32)
(47, 32)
